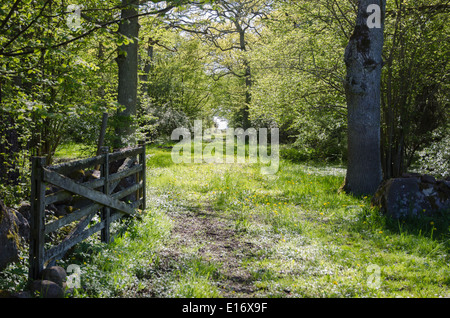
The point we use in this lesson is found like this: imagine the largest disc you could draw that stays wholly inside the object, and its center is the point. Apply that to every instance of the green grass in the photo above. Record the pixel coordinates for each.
(324, 244)
(73, 151)
(318, 242)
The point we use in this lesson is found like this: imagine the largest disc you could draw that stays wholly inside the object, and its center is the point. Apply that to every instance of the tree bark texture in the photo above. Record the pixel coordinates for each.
(127, 61)
(363, 59)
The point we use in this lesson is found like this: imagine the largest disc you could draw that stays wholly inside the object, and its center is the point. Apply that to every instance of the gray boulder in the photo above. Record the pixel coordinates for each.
(413, 195)
(55, 274)
(25, 209)
(14, 228)
(46, 289)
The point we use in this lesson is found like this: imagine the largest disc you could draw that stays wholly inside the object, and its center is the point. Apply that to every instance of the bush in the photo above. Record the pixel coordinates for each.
(435, 159)
(295, 155)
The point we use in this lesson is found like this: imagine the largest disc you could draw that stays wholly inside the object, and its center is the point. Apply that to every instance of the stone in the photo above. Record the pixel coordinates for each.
(46, 289)
(25, 209)
(56, 274)
(23, 226)
(13, 228)
(413, 196)
(22, 294)
(77, 175)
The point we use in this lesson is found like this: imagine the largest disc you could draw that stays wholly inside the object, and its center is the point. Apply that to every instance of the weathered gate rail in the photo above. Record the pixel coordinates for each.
(100, 193)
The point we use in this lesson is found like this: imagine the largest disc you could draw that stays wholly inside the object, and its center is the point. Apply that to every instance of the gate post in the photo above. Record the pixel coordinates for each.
(37, 201)
(142, 161)
(106, 212)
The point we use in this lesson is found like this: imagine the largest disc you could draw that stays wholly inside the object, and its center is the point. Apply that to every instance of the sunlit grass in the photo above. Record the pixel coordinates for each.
(323, 242)
(73, 151)
(317, 242)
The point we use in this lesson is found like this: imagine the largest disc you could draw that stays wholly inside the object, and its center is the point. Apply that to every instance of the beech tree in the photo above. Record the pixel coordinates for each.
(127, 61)
(363, 59)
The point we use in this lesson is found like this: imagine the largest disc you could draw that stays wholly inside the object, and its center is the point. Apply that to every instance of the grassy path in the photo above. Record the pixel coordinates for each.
(235, 232)
(213, 239)
(226, 230)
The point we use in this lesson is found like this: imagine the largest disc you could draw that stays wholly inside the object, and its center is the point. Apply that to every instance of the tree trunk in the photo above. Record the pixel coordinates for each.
(245, 116)
(127, 61)
(363, 58)
(148, 62)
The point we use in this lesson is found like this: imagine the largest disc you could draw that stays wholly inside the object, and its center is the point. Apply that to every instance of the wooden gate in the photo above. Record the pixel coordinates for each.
(103, 195)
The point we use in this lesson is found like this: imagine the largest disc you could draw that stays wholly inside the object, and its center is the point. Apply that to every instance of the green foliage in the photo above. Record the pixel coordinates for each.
(415, 82)
(174, 85)
(298, 71)
(435, 159)
(303, 239)
(54, 85)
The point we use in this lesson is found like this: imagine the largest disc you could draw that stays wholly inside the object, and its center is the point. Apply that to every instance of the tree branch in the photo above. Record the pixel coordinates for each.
(26, 28)
(30, 50)
(14, 7)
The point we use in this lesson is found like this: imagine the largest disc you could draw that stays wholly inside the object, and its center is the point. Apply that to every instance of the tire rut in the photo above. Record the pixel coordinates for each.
(214, 239)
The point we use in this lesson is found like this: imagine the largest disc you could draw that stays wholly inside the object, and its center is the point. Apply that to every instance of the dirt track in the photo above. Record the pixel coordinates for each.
(213, 238)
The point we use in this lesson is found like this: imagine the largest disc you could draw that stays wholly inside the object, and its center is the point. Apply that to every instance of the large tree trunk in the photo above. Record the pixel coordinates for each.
(127, 61)
(244, 115)
(363, 58)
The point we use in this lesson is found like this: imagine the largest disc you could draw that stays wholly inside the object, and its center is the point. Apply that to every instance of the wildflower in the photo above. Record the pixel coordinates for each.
(335, 282)
(321, 213)
(431, 223)
(381, 232)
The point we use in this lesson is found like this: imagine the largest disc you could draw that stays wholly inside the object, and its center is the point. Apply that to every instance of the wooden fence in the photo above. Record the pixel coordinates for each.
(102, 195)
